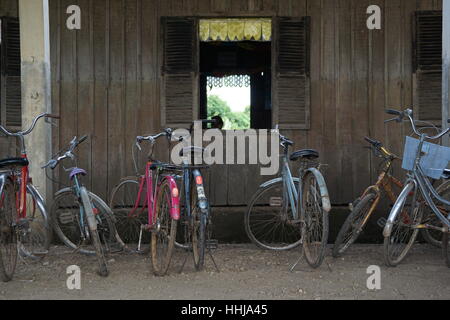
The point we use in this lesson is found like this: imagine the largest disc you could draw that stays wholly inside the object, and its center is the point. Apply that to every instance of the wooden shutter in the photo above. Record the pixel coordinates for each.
(180, 72)
(292, 81)
(428, 65)
(10, 83)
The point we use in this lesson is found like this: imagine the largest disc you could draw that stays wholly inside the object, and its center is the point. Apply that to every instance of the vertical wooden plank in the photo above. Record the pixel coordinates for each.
(328, 75)
(343, 102)
(9, 8)
(376, 86)
(255, 6)
(238, 6)
(220, 6)
(393, 69)
(285, 8)
(315, 138)
(360, 103)
(100, 48)
(299, 8)
(407, 10)
(116, 94)
(69, 114)
(131, 106)
(85, 96)
(204, 6)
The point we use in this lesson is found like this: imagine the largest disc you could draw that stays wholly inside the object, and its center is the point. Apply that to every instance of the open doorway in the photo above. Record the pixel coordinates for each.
(235, 83)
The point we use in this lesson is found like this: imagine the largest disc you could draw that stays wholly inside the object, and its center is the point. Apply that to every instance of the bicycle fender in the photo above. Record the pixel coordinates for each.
(39, 200)
(174, 197)
(88, 209)
(274, 181)
(397, 206)
(68, 189)
(202, 200)
(326, 203)
(94, 197)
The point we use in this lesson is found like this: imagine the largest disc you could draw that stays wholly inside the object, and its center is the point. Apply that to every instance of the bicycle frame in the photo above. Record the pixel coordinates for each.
(289, 188)
(385, 181)
(25, 180)
(75, 172)
(417, 179)
(151, 192)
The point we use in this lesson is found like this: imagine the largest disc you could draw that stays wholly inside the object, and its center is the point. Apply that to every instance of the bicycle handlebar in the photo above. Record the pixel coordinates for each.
(31, 128)
(53, 163)
(378, 146)
(408, 113)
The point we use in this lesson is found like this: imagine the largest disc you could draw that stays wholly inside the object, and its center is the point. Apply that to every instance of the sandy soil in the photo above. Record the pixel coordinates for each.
(245, 273)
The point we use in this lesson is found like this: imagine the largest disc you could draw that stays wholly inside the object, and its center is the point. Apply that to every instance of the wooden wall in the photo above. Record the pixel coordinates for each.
(106, 82)
(8, 8)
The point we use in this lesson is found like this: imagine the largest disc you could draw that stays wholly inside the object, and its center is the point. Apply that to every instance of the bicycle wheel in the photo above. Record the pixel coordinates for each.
(353, 225)
(404, 233)
(94, 231)
(34, 230)
(74, 232)
(8, 232)
(128, 219)
(163, 238)
(269, 221)
(198, 229)
(434, 237)
(314, 221)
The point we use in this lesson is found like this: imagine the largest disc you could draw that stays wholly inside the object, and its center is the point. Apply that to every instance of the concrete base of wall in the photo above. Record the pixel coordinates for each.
(228, 225)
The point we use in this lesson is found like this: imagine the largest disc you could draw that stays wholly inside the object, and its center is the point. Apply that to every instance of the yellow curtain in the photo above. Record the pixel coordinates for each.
(235, 29)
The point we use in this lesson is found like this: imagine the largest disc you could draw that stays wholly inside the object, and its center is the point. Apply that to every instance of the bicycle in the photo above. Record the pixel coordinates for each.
(157, 193)
(80, 218)
(24, 222)
(286, 211)
(422, 160)
(195, 213)
(363, 207)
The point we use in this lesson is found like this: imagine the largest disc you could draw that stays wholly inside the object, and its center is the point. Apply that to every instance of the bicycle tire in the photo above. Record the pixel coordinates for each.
(123, 198)
(258, 205)
(8, 233)
(314, 221)
(35, 241)
(65, 221)
(352, 228)
(200, 219)
(434, 237)
(407, 235)
(198, 230)
(162, 253)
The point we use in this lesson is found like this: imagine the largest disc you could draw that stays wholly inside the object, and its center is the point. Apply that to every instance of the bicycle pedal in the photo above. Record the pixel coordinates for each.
(212, 244)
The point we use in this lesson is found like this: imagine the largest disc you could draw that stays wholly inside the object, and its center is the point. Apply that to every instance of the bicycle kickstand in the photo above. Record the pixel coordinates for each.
(296, 264)
(184, 263)
(213, 260)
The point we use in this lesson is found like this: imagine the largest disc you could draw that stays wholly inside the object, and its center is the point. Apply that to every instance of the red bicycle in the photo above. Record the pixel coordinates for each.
(24, 223)
(158, 193)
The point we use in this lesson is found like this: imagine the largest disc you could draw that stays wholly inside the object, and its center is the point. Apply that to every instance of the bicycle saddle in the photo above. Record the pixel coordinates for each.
(446, 174)
(13, 162)
(307, 154)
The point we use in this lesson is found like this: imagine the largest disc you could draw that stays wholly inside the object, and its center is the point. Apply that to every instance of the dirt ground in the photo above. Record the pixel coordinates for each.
(245, 273)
